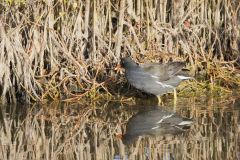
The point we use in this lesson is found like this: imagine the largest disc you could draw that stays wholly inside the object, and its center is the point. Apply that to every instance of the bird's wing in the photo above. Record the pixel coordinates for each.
(175, 67)
(163, 71)
(156, 69)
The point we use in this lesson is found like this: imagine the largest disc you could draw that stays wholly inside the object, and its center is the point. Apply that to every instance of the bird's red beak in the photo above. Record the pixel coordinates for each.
(119, 68)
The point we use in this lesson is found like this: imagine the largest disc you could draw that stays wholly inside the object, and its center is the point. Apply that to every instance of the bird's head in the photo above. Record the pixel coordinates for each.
(127, 62)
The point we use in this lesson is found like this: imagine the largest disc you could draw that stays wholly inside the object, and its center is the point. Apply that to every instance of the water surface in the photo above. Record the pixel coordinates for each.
(95, 131)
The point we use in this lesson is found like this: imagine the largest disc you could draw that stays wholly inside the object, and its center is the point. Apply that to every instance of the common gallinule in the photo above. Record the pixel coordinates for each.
(154, 78)
(155, 122)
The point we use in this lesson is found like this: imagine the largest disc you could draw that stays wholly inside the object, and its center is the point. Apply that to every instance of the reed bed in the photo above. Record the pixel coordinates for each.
(65, 131)
(61, 49)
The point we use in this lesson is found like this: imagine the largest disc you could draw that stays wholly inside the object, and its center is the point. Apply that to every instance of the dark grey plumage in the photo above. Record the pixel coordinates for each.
(154, 78)
(155, 122)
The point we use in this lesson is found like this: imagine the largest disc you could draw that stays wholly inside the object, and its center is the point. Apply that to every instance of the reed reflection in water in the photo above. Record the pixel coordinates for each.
(63, 131)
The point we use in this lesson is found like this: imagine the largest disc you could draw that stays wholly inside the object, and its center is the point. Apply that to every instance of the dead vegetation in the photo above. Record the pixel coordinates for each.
(61, 49)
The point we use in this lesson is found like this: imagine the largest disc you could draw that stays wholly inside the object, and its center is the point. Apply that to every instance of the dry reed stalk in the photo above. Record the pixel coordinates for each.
(43, 42)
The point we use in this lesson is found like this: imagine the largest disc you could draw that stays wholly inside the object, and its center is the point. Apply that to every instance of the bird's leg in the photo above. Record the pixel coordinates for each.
(159, 100)
(174, 99)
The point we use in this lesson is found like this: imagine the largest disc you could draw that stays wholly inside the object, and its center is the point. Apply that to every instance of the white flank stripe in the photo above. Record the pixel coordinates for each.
(159, 83)
(183, 123)
(155, 127)
(154, 76)
(164, 85)
(165, 117)
(183, 77)
(178, 127)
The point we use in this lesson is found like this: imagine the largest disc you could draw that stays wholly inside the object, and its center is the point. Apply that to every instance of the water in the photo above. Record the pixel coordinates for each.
(95, 131)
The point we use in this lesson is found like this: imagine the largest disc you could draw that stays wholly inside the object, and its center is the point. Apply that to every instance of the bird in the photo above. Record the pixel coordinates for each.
(154, 78)
(155, 122)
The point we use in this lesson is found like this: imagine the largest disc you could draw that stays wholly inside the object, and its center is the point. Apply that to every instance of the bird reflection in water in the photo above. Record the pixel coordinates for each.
(155, 122)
